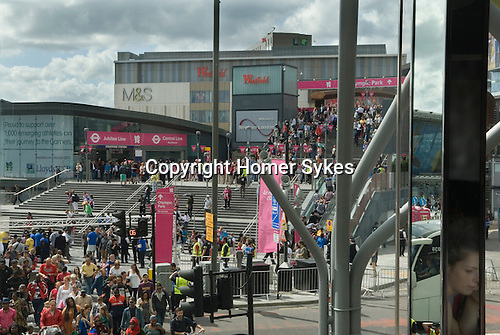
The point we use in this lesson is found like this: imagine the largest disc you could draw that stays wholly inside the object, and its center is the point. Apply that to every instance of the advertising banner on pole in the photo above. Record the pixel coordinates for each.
(265, 229)
(164, 224)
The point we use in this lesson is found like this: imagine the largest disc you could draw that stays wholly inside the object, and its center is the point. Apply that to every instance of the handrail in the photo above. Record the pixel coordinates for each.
(139, 189)
(96, 218)
(250, 224)
(136, 204)
(58, 222)
(41, 182)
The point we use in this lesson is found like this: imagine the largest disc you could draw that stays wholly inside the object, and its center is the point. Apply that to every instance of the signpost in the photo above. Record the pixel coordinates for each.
(164, 224)
(209, 223)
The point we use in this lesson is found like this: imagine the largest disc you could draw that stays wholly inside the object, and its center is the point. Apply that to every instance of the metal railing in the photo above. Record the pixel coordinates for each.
(139, 189)
(492, 282)
(57, 223)
(95, 219)
(250, 225)
(36, 188)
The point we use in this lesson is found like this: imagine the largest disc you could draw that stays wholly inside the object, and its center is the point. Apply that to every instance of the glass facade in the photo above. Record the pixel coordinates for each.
(206, 96)
(205, 116)
(257, 80)
(31, 146)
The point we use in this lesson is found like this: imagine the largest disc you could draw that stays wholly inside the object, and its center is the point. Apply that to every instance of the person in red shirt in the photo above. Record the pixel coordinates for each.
(48, 271)
(64, 273)
(51, 317)
(7, 316)
(37, 291)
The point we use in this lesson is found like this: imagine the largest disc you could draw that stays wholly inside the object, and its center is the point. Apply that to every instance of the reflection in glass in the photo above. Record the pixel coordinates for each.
(427, 101)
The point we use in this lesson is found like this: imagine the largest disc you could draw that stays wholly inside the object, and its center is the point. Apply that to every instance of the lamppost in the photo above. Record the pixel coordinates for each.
(228, 142)
(87, 165)
(248, 128)
(198, 134)
(287, 158)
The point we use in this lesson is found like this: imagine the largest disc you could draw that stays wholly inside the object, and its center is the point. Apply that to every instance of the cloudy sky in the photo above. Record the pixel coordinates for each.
(55, 50)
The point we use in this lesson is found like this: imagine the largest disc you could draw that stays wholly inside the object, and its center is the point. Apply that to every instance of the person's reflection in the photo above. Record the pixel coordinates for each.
(463, 279)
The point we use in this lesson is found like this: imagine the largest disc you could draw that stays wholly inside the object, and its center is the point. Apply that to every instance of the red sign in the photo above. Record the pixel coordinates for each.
(193, 147)
(242, 149)
(360, 83)
(254, 149)
(118, 138)
(295, 147)
(249, 79)
(271, 147)
(203, 72)
(164, 224)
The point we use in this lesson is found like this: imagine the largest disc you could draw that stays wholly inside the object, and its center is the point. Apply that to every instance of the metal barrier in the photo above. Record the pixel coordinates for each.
(492, 282)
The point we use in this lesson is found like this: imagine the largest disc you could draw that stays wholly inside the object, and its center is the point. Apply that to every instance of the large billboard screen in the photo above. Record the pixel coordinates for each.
(255, 125)
(31, 146)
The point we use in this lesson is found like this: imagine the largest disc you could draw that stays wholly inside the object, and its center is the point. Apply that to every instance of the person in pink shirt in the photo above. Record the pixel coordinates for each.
(7, 316)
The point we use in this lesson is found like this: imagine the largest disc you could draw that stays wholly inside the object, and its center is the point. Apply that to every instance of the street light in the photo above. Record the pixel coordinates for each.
(198, 134)
(248, 128)
(286, 142)
(228, 141)
(87, 165)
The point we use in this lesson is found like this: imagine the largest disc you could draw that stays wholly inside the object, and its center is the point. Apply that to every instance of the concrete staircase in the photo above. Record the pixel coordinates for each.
(52, 204)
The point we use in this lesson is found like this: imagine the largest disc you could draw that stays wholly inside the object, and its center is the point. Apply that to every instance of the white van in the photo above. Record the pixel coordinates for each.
(425, 271)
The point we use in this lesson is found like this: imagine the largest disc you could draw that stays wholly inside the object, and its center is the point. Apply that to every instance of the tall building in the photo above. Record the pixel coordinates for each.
(179, 84)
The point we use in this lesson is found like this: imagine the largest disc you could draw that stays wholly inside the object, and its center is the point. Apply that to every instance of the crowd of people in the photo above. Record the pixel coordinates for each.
(97, 296)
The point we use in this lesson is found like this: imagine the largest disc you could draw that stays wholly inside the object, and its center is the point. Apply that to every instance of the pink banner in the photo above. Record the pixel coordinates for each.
(254, 150)
(202, 147)
(321, 127)
(306, 147)
(265, 229)
(330, 127)
(242, 149)
(360, 83)
(193, 147)
(295, 147)
(281, 147)
(271, 147)
(164, 224)
(130, 139)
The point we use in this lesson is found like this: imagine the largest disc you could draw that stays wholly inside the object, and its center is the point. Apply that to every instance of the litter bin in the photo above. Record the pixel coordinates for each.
(260, 279)
(306, 275)
(285, 278)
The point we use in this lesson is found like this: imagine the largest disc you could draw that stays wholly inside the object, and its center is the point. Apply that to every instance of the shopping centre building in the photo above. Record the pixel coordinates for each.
(179, 84)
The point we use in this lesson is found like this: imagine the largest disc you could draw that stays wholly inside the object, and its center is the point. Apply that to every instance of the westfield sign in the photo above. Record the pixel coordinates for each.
(249, 79)
(203, 72)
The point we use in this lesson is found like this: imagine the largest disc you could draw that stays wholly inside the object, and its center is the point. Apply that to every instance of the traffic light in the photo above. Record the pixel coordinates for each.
(120, 224)
(142, 228)
(195, 290)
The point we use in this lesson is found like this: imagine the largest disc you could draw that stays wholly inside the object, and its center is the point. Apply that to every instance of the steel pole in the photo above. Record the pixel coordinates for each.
(215, 136)
(87, 163)
(347, 72)
(153, 240)
(398, 169)
(359, 263)
(316, 252)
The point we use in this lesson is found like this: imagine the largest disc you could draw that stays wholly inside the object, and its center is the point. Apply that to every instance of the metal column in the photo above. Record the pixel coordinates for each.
(347, 72)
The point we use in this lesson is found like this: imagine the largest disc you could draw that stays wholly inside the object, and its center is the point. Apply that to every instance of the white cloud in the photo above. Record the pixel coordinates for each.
(82, 37)
(81, 78)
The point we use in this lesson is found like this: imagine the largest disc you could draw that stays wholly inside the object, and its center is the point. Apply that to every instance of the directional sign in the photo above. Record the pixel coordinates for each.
(414, 201)
(422, 201)
(275, 210)
(329, 225)
(209, 222)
